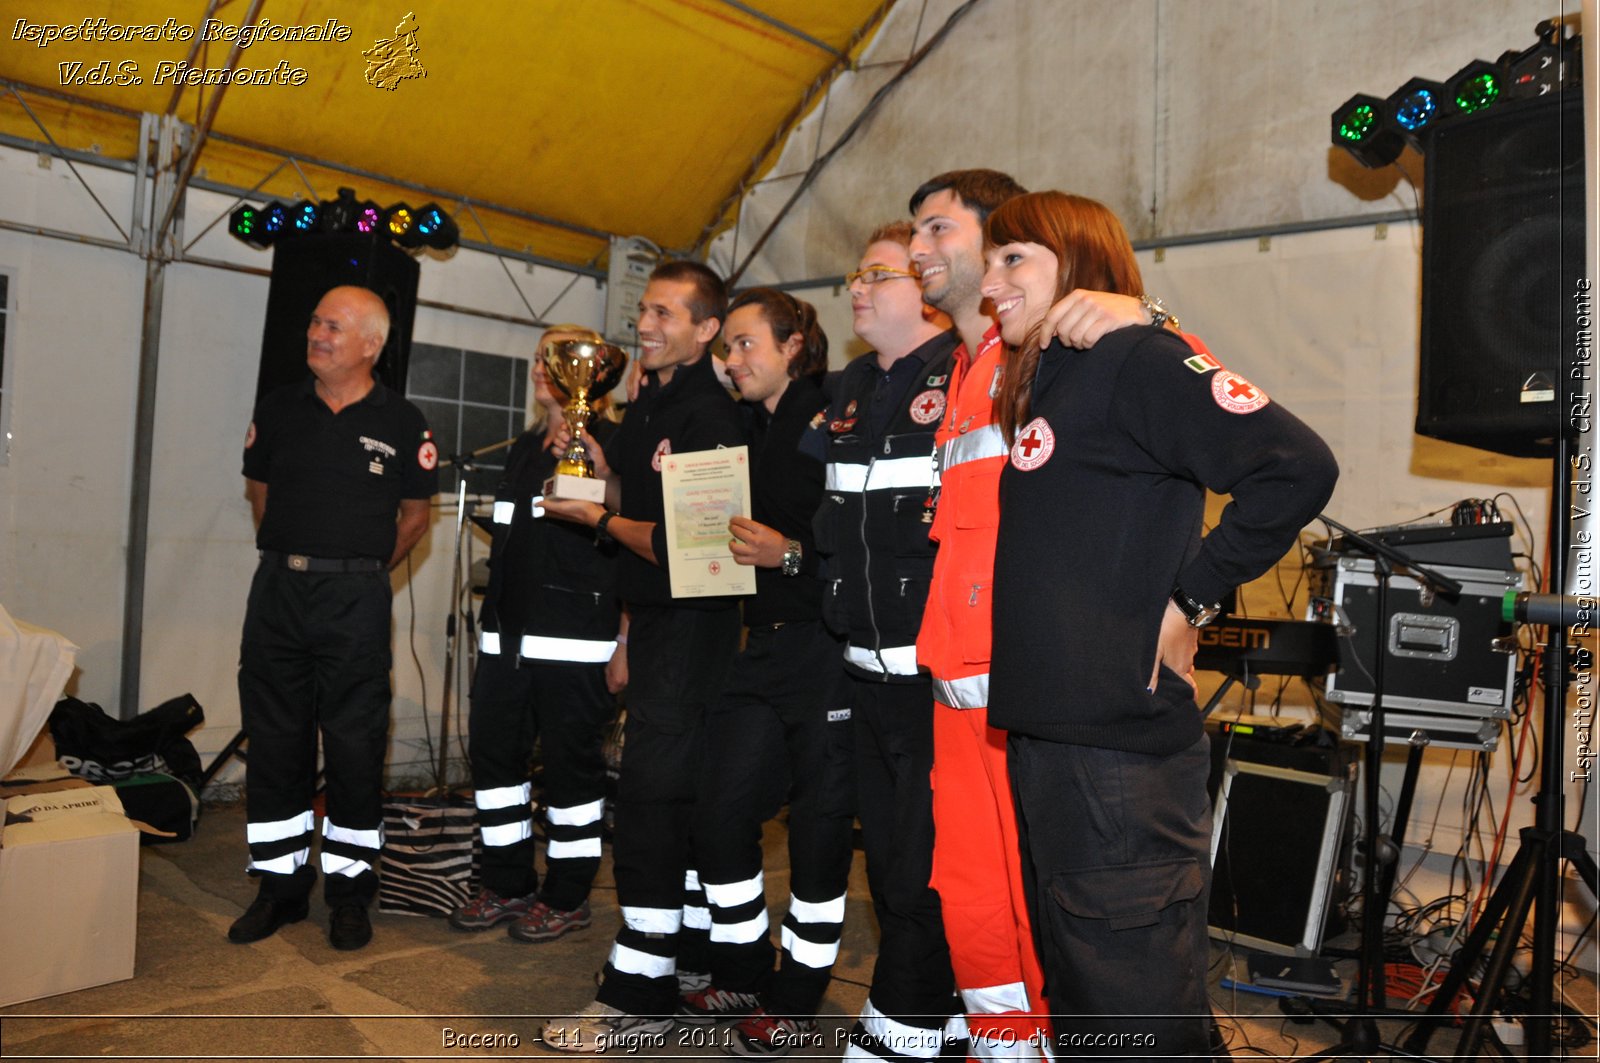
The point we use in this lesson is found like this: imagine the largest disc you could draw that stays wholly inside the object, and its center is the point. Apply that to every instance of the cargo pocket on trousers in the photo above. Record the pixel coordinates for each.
(1127, 896)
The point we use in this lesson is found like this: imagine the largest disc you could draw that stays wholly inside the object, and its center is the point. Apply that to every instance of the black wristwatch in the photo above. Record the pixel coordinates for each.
(1197, 613)
(600, 533)
(791, 558)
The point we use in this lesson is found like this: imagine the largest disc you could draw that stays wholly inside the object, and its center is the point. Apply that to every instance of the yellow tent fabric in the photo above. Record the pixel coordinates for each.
(582, 117)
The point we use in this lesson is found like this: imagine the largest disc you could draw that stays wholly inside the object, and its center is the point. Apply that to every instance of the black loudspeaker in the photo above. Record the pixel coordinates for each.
(1281, 834)
(303, 269)
(1502, 254)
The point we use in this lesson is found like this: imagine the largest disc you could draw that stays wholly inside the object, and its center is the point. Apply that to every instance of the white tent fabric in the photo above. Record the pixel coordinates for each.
(35, 664)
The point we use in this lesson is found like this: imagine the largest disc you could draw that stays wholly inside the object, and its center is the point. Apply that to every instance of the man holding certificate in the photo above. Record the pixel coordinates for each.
(677, 648)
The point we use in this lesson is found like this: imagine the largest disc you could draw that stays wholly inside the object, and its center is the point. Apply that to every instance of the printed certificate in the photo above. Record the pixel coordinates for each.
(701, 491)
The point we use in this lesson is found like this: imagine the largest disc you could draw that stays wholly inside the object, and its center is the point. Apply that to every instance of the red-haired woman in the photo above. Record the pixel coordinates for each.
(1101, 578)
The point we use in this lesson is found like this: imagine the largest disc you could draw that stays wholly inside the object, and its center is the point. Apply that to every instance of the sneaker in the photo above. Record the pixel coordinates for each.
(601, 1028)
(692, 981)
(766, 1035)
(709, 1005)
(544, 923)
(488, 909)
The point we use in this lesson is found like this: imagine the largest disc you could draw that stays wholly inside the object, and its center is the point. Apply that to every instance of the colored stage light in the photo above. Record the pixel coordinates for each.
(1476, 86)
(247, 224)
(1360, 128)
(436, 228)
(274, 219)
(303, 217)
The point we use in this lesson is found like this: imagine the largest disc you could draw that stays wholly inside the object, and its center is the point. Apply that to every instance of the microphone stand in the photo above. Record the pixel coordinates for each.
(452, 631)
(1361, 1031)
(1533, 881)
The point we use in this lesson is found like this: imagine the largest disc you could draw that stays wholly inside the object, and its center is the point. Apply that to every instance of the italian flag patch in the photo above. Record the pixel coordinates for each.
(1202, 363)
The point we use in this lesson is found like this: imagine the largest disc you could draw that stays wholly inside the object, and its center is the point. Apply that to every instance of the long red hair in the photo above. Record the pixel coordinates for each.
(1093, 251)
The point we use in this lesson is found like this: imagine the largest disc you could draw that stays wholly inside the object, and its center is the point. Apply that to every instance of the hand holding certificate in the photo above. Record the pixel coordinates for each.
(702, 491)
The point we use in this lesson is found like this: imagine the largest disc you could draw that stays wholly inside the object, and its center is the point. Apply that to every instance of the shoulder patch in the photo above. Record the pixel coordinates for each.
(1034, 445)
(250, 436)
(1202, 363)
(428, 455)
(662, 448)
(850, 408)
(1236, 394)
(927, 407)
(939, 381)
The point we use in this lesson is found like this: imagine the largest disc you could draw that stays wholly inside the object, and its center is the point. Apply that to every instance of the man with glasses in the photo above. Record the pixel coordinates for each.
(873, 529)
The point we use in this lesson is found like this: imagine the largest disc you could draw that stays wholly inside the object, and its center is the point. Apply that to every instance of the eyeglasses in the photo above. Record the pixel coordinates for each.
(876, 275)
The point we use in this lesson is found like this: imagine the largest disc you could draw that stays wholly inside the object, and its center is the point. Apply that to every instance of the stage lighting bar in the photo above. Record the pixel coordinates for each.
(1375, 131)
(412, 228)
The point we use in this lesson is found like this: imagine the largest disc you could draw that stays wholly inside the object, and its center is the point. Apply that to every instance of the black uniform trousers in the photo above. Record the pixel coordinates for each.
(1117, 848)
(912, 982)
(677, 662)
(565, 707)
(315, 657)
(770, 738)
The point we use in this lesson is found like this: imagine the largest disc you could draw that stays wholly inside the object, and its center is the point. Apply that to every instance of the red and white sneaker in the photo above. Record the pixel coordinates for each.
(766, 1035)
(710, 1005)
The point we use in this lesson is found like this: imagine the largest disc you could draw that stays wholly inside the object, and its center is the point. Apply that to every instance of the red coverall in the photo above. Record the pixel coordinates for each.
(976, 859)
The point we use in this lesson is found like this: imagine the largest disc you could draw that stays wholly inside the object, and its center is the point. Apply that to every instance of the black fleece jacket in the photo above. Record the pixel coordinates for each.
(1093, 538)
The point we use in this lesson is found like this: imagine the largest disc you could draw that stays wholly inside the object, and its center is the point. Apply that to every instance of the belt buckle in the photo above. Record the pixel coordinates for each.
(299, 562)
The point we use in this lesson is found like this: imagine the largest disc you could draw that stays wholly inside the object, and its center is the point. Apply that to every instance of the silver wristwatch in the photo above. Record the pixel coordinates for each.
(1160, 316)
(791, 558)
(1197, 613)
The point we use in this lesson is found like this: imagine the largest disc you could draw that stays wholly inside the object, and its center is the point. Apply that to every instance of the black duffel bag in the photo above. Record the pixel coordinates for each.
(153, 745)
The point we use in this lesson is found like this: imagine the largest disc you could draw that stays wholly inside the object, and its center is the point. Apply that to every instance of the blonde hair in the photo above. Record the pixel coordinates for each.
(604, 406)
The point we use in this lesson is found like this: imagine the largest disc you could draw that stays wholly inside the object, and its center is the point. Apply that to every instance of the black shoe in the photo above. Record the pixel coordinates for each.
(349, 928)
(263, 918)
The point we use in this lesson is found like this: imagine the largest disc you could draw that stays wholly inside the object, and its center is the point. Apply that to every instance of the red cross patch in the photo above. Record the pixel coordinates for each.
(1034, 445)
(714, 568)
(1236, 394)
(250, 436)
(663, 447)
(850, 408)
(428, 455)
(927, 407)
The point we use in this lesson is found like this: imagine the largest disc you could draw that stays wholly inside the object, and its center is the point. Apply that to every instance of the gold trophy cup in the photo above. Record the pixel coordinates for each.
(577, 369)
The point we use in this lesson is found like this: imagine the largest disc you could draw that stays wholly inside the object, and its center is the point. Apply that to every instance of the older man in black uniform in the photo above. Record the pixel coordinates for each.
(677, 655)
(328, 465)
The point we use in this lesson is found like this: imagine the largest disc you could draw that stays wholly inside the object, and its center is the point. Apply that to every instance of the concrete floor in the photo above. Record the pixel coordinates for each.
(196, 996)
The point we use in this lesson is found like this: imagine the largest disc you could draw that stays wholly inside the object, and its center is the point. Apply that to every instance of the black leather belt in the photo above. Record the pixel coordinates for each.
(303, 563)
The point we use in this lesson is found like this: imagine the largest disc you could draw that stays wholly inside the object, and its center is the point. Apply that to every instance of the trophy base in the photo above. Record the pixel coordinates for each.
(575, 488)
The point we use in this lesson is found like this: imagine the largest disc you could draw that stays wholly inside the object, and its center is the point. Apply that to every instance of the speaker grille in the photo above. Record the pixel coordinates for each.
(1502, 250)
(303, 270)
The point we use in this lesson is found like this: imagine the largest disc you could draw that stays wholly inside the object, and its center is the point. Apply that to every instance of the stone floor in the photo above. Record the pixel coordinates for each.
(195, 996)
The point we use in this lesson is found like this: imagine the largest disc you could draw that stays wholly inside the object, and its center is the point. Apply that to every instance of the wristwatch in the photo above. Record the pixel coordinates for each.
(791, 558)
(1198, 614)
(1160, 316)
(600, 533)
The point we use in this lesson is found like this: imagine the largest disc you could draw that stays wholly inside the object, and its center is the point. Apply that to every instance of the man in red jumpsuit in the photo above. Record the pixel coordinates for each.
(976, 860)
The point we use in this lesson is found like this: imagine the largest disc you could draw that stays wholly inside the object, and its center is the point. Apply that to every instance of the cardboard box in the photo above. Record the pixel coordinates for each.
(69, 893)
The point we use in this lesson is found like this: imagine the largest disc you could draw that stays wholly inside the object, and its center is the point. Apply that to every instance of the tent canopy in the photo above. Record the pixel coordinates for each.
(561, 122)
